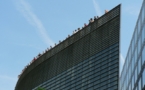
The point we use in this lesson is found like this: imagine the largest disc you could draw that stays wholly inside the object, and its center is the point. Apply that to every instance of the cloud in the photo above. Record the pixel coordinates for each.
(26, 45)
(97, 8)
(5, 77)
(133, 10)
(122, 60)
(25, 8)
(7, 82)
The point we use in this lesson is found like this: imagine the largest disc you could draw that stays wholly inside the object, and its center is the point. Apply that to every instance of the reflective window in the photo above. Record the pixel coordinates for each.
(139, 25)
(135, 54)
(135, 74)
(139, 45)
(143, 14)
(139, 65)
(139, 84)
(132, 45)
(143, 55)
(129, 87)
(132, 70)
(136, 87)
(132, 64)
(135, 36)
(132, 81)
(129, 74)
(143, 34)
(127, 63)
(143, 78)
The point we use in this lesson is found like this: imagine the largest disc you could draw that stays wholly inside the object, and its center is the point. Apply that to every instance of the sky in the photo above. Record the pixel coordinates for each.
(28, 27)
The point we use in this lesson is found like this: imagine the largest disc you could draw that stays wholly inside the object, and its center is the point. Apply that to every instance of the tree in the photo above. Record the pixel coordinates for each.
(39, 88)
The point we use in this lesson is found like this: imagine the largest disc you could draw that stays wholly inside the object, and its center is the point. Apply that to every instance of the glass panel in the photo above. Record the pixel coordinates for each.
(129, 87)
(133, 45)
(142, 14)
(132, 82)
(132, 64)
(135, 74)
(139, 65)
(129, 55)
(135, 55)
(129, 74)
(127, 63)
(135, 33)
(143, 55)
(139, 85)
(143, 77)
(143, 34)
(139, 45)
(136, 88)
(139, 26)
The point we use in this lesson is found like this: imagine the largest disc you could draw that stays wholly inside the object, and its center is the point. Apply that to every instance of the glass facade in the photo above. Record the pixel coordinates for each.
(99, 72)
(133, 73)
(87, 60)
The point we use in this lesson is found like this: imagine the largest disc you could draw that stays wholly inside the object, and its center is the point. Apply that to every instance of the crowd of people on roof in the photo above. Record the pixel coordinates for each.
(75, 31)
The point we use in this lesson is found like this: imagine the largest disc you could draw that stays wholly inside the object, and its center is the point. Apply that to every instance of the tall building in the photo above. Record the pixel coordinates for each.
(86, 60)
(133, 73)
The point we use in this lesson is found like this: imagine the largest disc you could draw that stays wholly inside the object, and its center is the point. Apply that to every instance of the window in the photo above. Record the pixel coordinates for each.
(143, 55)
(132, 64)
(127, 62)
(136, 88)
(143, 78)
(129, 74)
(135, 35)
(125, 84)
(132, 45)
(143, 34)
(139, 20)
(139, 85)
(132, 82)
(139, 45)
(139, 65)
(142, 14)
(135, 74)
(129, 55)
(129, 87)
(135, 54)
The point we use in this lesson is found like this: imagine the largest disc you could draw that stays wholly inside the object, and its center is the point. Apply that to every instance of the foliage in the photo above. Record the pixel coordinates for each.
(39, 88)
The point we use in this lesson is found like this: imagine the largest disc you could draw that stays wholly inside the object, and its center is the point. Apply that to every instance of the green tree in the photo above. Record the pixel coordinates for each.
(39, 88)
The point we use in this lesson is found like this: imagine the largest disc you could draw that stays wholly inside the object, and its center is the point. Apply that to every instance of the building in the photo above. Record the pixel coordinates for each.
(133, 73)
(86, 60)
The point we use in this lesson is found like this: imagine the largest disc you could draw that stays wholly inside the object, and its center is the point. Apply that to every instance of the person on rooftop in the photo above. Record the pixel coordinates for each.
(85, 24)
(106, 11)
(73, 32)
(47, 49)
(39, 55)
(18, 76)
(34, 59)
(91, 20)
(82, 27)
(95, 18)
(79, 29)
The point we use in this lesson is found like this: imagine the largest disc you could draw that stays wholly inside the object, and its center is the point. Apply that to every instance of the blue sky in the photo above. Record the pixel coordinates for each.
(28, 27)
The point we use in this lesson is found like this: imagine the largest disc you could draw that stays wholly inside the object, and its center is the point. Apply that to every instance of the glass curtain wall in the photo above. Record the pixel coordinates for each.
(133, 73)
